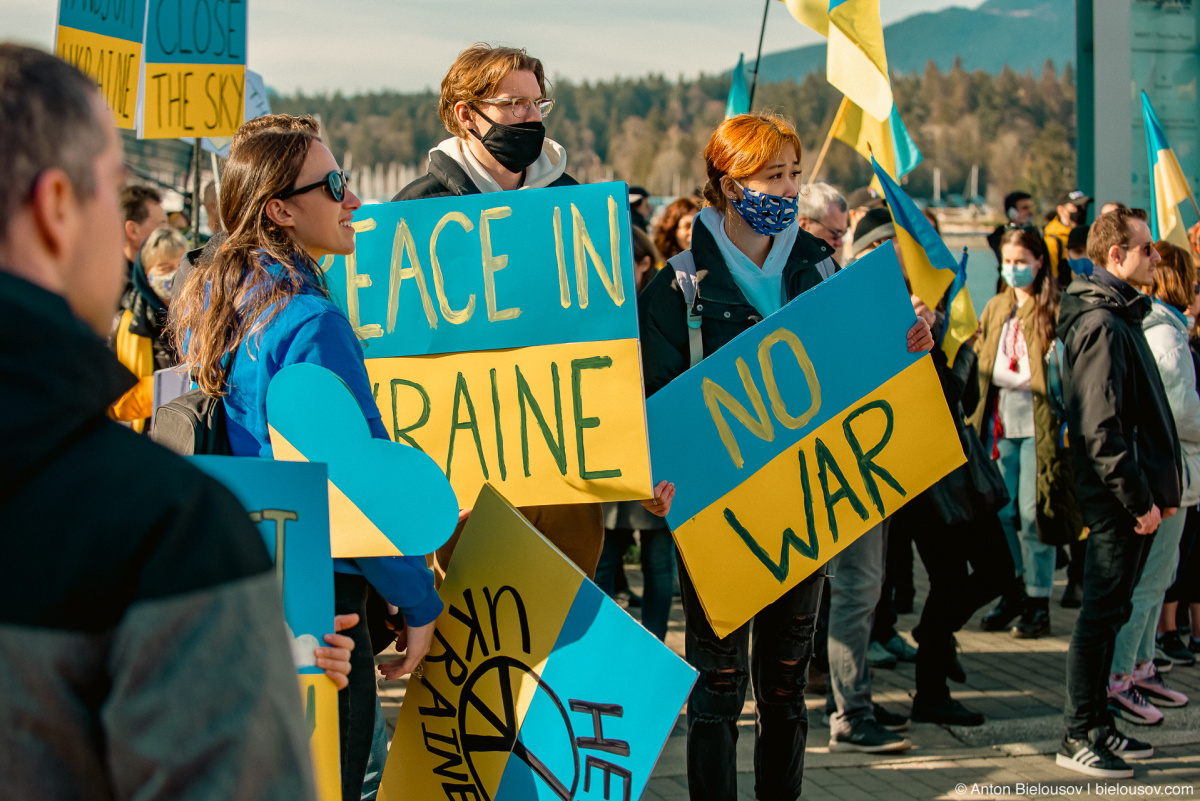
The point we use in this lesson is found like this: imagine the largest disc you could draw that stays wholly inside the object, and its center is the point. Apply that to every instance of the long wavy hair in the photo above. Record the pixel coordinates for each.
(1044, 290)
(664, 230)
(232, 298)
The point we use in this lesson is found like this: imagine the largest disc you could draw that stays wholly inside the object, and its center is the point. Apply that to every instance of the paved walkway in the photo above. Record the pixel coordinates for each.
(1017, 684)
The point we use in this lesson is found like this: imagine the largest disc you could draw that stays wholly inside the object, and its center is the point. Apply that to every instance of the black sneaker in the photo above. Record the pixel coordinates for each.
(1162, 664)
(1122, 746)
(1004, 613)
(1194, 645)
(868, 737)
(1092, 759)
(1072, 596)
(947, 712)
(1035, 620)
(1170, 646)
(890, 720)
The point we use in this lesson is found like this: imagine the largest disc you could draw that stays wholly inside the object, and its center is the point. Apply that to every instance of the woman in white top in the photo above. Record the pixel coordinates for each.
(1017, 421)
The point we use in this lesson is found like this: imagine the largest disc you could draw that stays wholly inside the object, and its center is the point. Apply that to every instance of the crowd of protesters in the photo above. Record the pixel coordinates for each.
(142, 631)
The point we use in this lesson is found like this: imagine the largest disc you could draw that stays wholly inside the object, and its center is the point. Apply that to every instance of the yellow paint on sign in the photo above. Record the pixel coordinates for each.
(114, 64)
(351, 533)
(319, 696)
(194, 100)
(807, 504)
(546, 424)
(485, 622)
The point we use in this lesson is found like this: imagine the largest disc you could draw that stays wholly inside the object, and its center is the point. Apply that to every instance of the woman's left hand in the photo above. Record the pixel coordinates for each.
(920, 337)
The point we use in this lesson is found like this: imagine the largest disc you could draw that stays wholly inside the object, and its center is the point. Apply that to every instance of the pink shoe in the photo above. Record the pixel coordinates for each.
(1126, 701)
(1154, 689)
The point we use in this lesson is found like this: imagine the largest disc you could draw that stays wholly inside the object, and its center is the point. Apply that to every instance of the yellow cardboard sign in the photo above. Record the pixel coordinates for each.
(811, 501)
(319, 696)
(114, 64)
(545, 424)
(194, 100)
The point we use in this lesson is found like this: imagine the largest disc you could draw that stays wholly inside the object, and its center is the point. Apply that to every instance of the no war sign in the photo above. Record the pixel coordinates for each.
(500, 335)
(793, 440)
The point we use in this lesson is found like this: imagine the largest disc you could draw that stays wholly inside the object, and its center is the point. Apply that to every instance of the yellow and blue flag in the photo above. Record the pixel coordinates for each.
(890, 141)
(812, 13)
(856, 62)
(1168, 184)
(930, 266)
(739, 95)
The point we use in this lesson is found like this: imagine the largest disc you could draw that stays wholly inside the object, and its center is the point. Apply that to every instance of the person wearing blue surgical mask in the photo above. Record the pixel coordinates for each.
(1016, 420)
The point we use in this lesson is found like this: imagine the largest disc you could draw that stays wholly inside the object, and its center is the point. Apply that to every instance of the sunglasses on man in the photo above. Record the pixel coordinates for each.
(335, 182)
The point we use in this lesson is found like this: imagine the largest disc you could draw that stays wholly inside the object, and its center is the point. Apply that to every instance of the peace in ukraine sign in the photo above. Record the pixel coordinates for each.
(500, 334)
(793, 440)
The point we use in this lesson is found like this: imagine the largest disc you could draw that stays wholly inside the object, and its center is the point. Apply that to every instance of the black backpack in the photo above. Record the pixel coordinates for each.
(192, 425)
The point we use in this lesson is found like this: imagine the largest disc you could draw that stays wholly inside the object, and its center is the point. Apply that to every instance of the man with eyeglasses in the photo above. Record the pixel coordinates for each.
(493, 100)
(1125, 453)
(822, 211)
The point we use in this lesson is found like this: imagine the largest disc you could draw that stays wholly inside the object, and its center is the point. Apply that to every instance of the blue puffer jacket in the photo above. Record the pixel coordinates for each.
(310, 328)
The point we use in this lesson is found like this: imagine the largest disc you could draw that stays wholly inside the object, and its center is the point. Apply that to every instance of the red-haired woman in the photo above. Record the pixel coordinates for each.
(673, 231)
(753, 258)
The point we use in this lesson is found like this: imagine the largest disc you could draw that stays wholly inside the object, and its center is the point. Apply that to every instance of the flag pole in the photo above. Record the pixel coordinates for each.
(837, 120)
(758, 58)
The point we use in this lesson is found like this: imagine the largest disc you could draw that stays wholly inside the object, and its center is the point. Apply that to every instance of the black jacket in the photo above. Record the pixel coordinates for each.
(446, 179)
(1123, 442)
(662, 311)
(141, 627)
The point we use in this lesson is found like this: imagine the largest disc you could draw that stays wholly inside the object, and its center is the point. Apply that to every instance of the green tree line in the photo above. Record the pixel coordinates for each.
(1019, 129)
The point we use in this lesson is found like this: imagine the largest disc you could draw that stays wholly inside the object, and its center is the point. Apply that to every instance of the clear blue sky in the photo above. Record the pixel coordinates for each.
(360, 45)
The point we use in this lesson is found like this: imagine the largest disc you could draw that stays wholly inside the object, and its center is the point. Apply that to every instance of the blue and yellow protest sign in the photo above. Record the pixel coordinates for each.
(385, 499)
(518, 699)
(287, 500)
(500, 332)
(104, 40)
(194, 81)
(791, 441)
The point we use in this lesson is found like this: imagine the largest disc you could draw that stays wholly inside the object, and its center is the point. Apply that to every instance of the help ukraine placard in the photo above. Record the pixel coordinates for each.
(790, 442)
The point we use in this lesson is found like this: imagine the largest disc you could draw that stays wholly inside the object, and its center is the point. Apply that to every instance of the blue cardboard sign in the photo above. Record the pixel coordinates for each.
(195, 32)
(120, 19)
(288, 501)
(490, 271)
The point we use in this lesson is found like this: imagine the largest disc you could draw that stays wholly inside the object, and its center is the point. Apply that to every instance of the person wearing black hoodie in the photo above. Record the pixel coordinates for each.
(493, 100)
(141, 628)
(1127, 472)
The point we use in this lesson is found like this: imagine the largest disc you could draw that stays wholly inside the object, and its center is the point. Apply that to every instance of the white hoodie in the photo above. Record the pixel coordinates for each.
(1167, 336)
(548, 168)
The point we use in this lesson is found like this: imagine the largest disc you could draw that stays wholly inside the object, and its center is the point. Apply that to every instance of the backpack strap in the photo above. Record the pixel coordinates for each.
(684, 266)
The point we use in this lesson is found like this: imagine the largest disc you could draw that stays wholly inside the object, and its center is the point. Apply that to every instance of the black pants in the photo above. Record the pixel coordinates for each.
(968, 565)
(1187, 577)
(356, 703)
(771, 652)
(1112, 568)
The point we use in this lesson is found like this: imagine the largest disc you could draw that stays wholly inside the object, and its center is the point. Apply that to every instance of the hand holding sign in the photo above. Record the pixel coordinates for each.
(385, 499)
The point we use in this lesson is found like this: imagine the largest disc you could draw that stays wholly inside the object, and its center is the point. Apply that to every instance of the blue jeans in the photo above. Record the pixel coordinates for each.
(855, 581)
(1032, 558)
(658, 565)
(1135, 641)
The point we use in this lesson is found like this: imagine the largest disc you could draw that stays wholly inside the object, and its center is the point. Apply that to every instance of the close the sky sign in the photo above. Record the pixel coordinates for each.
(793, 440)
(195, 74)
(103, 38)
(500, 333)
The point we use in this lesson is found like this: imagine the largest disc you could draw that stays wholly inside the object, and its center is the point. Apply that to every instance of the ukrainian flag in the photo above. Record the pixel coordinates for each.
(930, 266)
(813, 13)
(739, 95)
(856, 62)
(889, 141)
(1167, 182)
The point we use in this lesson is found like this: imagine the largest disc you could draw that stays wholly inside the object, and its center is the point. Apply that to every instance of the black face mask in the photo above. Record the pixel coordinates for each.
(514, 146)
(1079, 216)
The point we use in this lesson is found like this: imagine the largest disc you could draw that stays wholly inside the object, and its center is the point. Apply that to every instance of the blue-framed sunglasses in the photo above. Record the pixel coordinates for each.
(335, 182)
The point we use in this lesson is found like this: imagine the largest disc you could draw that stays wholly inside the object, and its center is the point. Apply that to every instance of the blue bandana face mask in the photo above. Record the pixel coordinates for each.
(1082, 266)
(765, 214)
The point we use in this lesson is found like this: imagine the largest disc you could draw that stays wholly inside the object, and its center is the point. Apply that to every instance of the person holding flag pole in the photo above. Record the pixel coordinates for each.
(954, 523)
